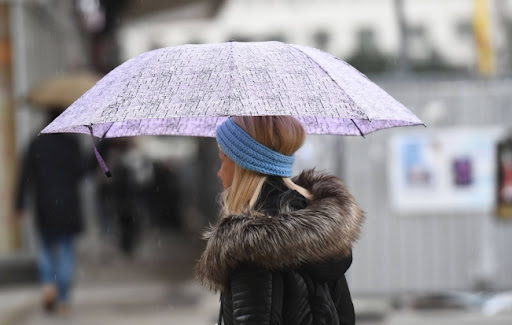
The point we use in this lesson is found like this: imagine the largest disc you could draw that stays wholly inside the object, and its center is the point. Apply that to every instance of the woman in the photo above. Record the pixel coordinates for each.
(280, 249)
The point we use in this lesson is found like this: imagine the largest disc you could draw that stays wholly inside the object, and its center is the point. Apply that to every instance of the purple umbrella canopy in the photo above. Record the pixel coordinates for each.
(191, 89)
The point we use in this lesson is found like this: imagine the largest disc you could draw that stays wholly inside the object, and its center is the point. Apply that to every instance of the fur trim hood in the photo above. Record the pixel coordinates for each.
(324, 230)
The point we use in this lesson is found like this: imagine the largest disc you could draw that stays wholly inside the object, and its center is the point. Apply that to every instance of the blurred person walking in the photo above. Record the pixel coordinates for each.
(282, 245)
(124, 198)
(52, 170)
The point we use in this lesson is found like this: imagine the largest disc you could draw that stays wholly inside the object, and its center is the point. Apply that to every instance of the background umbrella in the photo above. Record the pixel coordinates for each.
(190, 89)
(61, 91)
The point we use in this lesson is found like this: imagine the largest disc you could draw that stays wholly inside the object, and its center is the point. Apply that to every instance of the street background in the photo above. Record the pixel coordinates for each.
(438, 200)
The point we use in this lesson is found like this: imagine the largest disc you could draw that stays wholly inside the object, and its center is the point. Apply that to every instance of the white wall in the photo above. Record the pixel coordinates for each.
(298, 21)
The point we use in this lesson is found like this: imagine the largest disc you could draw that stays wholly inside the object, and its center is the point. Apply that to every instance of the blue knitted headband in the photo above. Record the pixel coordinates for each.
(250, 154)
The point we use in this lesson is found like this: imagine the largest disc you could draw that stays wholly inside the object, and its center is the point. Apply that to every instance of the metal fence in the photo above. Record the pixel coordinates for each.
(428, 252)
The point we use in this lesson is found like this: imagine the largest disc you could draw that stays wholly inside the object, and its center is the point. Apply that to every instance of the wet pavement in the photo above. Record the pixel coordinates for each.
(154, 285)
(188, 303)
(137, 304)
(157, 287)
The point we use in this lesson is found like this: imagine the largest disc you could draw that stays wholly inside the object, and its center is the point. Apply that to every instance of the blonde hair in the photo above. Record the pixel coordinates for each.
(283, 134)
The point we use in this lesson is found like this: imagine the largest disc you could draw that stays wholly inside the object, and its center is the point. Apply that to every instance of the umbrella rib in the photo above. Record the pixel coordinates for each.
(104, 134)
(361, 132)
(328, 74)
(232, 65)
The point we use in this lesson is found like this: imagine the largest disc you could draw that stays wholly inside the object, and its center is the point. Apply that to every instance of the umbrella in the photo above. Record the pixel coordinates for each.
(61, 91)
(191, 89)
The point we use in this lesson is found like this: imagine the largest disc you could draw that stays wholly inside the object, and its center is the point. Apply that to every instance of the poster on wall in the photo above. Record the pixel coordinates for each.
(504, 179)
(443, 171)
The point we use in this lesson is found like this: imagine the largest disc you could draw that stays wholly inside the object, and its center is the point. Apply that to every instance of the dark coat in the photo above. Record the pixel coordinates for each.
(52, 168)
(287, 266)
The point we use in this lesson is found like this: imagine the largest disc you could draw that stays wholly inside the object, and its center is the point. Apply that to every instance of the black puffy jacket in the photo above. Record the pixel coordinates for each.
(287, 266)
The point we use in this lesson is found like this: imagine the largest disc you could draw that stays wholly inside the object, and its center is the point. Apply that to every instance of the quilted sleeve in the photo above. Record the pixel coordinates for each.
(256, 297)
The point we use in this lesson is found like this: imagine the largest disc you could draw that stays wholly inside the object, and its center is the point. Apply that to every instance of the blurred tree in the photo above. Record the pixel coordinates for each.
(367, 57)
(434, 63)
(321, 39)
(139, 8)
(403, 57)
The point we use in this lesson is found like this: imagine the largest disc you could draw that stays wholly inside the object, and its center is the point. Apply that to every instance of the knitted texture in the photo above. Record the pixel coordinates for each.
(250, 154)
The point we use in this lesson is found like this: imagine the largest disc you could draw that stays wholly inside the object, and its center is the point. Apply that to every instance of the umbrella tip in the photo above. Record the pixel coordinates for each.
(108, 173)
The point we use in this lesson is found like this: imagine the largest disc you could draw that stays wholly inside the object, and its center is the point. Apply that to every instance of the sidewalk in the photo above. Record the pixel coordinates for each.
(159, 276)
(16, 302)
(156, 287)
(148, 303)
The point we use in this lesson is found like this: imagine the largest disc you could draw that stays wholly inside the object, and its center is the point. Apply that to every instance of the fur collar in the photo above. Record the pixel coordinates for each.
(324, 230)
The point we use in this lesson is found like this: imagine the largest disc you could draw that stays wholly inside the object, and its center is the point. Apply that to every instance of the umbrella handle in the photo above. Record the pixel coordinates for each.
(100, 160)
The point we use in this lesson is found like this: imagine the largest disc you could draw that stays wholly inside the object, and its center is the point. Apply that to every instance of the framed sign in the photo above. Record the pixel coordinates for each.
(443, 170)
